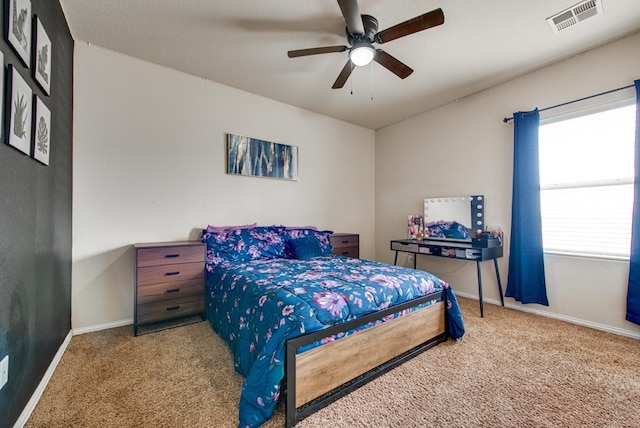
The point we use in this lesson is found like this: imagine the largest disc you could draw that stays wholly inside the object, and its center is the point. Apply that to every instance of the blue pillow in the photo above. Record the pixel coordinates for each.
(305, 248)
(293, 235)
(457, 231)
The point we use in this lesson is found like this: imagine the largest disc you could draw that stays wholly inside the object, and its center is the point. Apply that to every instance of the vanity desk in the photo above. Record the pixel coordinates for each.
(453, 250)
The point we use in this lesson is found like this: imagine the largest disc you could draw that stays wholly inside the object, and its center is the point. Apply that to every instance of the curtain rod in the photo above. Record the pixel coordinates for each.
(507, 119)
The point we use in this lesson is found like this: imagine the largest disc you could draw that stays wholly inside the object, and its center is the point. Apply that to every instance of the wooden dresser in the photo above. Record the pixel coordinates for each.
(170, 280)
(346, 244)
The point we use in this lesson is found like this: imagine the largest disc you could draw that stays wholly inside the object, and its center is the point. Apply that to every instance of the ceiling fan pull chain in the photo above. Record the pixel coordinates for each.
(371, 67)
(351, 77)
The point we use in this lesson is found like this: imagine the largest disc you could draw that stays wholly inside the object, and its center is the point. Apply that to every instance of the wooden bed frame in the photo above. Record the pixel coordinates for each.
(321, 375)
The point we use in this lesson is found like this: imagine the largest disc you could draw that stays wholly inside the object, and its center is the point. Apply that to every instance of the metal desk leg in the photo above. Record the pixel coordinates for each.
(414, 261)
(495, 263)
(395, 261)
(480, 290)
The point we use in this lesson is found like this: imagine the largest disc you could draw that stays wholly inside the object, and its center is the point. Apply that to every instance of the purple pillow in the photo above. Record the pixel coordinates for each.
(241, 245)
(223, 228)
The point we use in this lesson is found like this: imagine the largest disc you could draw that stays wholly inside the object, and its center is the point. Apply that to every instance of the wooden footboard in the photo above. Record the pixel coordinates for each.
(323, 374)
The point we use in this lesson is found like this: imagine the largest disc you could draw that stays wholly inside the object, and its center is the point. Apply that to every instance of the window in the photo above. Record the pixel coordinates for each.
(586, 182)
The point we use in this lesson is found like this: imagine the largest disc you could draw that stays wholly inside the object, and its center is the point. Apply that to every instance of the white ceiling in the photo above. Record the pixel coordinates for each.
(244, 44)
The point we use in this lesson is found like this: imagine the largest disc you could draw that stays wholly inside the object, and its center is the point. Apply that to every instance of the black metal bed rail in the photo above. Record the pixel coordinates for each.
(293, 415)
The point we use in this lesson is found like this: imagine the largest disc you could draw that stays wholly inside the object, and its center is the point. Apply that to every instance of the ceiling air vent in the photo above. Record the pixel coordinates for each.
(575, 15)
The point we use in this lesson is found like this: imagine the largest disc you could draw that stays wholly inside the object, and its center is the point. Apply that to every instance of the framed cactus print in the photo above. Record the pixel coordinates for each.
(260, 158)
(19, 28)
(20, 105)
(42, 132)
(42, 67)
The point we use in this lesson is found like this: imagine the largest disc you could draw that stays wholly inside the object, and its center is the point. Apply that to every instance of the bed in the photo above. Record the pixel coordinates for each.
(314, 326)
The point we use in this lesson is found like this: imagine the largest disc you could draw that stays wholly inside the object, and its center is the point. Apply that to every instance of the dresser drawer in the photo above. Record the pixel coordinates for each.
(347, 251)
(172, 308)
(346, 244)
(344, 240)
(169, 290)
(170, 273)
(157, 256)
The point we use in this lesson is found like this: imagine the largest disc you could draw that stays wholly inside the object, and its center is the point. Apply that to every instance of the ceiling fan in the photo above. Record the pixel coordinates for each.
(362, 32)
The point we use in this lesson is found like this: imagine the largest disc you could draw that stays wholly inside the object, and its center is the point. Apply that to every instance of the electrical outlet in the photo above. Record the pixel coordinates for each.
(4, 371)
(409, 258)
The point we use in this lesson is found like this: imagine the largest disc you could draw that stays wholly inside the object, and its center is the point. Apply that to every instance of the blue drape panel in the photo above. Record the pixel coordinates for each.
(633, 291)
(526, 282)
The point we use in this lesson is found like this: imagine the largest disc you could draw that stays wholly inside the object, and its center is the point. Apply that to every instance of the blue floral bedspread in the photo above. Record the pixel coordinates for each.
(257, 305)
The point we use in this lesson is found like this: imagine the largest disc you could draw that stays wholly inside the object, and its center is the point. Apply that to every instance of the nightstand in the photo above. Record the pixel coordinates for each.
(169, 282)
(346, 244)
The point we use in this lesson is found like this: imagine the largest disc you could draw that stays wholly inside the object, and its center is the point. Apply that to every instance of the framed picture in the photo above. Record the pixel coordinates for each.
(42, 132)
(1, 95)
(42, 69)
(259, 158)
(19, 28)
(20, 105)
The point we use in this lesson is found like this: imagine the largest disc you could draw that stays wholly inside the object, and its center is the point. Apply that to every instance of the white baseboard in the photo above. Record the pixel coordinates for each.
(31, 405)
(104, 326)
(597, 326)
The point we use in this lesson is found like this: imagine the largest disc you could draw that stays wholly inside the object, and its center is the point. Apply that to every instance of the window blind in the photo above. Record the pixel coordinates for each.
(586, 183)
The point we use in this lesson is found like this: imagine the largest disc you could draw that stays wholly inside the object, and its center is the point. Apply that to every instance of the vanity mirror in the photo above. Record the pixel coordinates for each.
(444, 215)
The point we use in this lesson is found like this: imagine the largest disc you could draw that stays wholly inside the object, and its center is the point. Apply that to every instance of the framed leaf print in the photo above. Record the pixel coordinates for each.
(42, 132)
(19, 28)
(20, 105)
(42, 68)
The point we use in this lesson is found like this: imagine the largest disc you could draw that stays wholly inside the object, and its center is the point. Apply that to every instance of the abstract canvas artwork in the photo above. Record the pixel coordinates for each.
(260, 158)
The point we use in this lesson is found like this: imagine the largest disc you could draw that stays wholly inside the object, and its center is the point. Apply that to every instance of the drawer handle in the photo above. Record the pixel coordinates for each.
(345, 242)
(345, 252)
(171, 256)
(173, 290)
(172, 273)
(173, 308)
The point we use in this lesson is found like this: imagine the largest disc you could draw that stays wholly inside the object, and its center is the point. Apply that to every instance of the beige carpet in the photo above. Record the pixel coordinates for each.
(512, 369)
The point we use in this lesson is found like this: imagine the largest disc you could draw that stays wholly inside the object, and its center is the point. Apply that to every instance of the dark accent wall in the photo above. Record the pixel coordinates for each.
(35, 226)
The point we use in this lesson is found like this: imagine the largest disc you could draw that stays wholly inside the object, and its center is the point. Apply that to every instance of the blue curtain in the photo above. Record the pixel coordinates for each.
(526, 281)
(633, 292)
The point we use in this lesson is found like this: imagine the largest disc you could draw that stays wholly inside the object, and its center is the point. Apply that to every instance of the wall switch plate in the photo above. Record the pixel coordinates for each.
(4, 371)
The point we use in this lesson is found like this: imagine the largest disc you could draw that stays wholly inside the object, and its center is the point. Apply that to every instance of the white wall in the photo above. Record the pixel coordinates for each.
(149, 165)
(464, 148)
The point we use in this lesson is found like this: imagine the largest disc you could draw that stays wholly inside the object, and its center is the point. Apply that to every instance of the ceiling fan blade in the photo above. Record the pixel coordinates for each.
(316, 51)
(392, 64)
(419, 23)
(352, 17)
(343, 76)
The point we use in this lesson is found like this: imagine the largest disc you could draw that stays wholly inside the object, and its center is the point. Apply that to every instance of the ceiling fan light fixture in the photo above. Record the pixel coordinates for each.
(362, 55)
